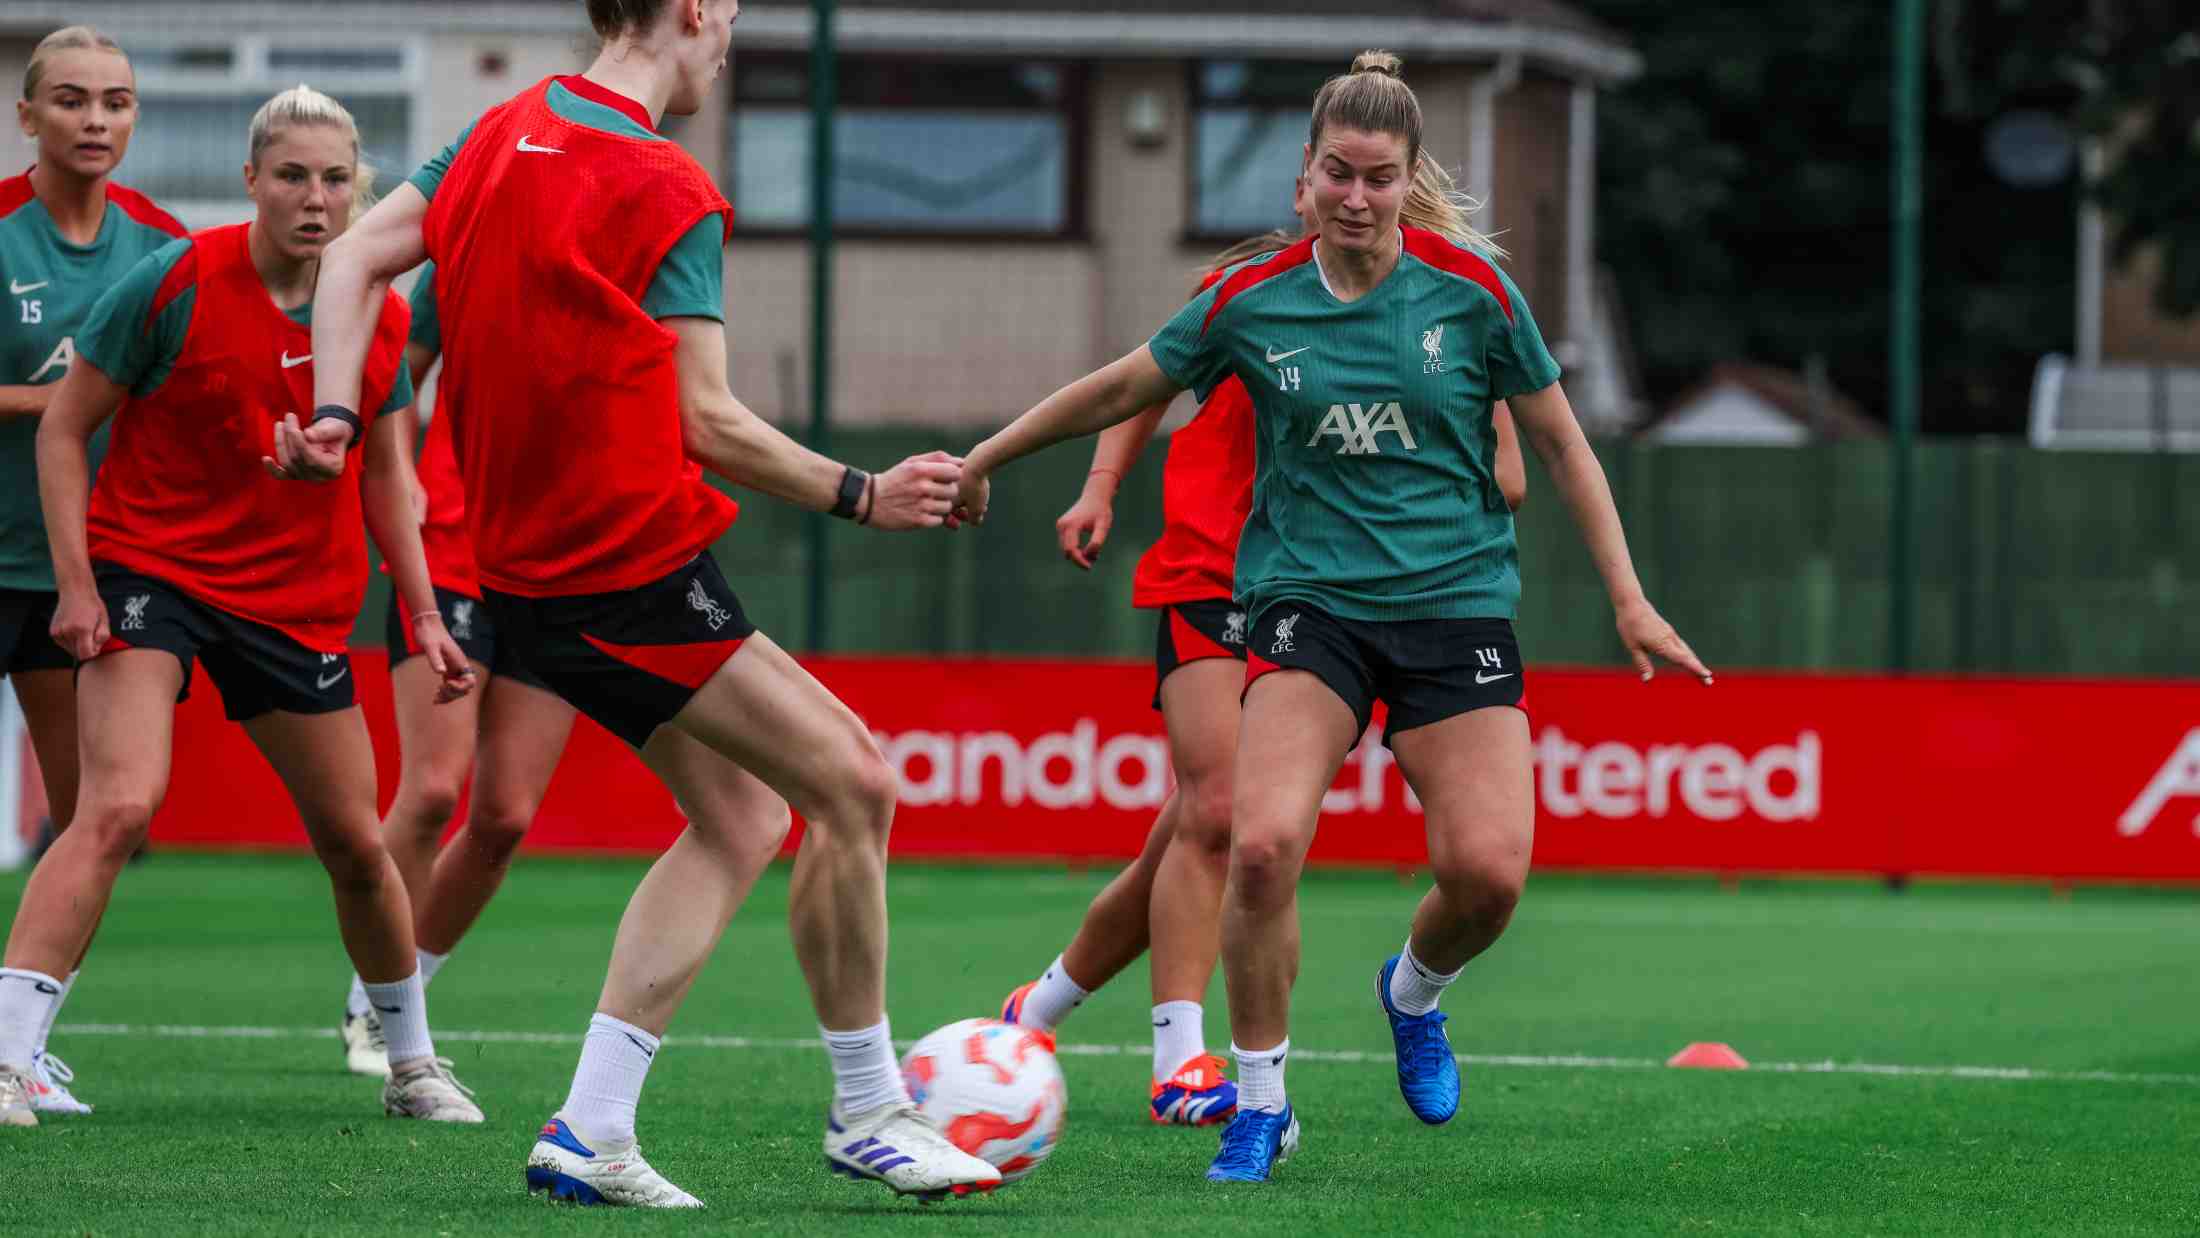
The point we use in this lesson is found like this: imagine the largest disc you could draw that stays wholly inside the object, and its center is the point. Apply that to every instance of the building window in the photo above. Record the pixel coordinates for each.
(920, 146)
(196, 103)
(1248, 142)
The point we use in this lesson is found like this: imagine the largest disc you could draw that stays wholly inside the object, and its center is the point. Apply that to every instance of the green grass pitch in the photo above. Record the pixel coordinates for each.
(2095, 998)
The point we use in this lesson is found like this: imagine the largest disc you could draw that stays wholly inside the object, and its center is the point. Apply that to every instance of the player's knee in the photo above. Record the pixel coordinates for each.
(1485, 888)
(1264, 866)
(353, 856)
(115, 827)
(1205, 821)
(430, 804)
(496, 828)
(866, 788)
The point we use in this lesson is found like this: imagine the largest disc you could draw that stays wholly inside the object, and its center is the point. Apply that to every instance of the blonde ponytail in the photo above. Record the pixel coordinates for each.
(1435, 203)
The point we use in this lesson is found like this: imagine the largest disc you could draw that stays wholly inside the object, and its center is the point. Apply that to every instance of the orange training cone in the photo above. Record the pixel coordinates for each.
(1708, 1055)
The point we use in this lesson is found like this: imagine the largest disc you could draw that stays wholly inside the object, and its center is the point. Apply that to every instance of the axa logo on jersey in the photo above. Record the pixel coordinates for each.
(1357, 428)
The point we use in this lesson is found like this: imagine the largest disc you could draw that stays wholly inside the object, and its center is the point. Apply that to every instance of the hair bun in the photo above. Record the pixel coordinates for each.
(1378, 62)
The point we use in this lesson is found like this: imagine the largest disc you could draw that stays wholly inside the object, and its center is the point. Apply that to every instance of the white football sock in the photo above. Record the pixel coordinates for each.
(356, 1003)
(607, 1085)
(1260, 1077)
(1051, 1000)
(53, 1012)
(27, 1001)
(1414, 988)
(1179, 1035)
(865, 1074)
(402, 1005)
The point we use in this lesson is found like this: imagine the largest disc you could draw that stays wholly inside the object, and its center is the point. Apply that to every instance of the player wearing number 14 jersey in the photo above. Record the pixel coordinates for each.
(1377, 563)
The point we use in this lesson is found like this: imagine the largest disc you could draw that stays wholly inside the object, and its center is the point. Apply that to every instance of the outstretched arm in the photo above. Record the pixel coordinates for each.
(725, 437)
(1083, 529)
(356, 270)
(1548, 421)
(1114, 393)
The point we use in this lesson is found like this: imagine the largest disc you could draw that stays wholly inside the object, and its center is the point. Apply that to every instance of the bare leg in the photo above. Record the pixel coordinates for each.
(770, 716)
(523, 733)
(49, 714)
(1473, 775)
(1200, 704)
(1113, 933)
(435, 747)
(326, 762)
(127, 727)
(673, 922)
(1300, 732)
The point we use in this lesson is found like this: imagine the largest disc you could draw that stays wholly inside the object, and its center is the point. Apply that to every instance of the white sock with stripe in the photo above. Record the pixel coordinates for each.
(1052, 998)
(402, 1005)
(356, 1003)
(1179, 1035)
(53, 1012)
(1260, 1077)
(1414, 988)
(865, 1072)
(26, 999)
(607, 1085)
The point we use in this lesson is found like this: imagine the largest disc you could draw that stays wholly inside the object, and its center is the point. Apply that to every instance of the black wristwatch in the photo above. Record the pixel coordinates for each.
(852, 483)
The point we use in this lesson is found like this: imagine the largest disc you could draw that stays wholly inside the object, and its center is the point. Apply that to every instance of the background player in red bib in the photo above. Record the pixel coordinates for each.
(509, 734)
(1378, 563)
(187, 553)
(1171, 895)
(586, 379)
(67, 234)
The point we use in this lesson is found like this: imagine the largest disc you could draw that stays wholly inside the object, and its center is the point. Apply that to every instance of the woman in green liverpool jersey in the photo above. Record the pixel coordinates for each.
(67, 234)
(1377, 563)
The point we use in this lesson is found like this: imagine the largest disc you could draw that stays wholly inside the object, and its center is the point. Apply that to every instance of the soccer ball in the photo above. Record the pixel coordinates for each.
(994, 1088)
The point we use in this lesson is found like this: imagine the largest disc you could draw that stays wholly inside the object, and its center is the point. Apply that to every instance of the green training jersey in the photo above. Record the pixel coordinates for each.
(52, 285)
(1375, 494)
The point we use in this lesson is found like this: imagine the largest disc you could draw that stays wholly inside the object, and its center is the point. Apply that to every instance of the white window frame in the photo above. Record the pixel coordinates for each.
(249, 73)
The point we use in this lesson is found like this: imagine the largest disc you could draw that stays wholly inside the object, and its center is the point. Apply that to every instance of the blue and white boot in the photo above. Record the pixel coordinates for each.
(1428, 1075)
(1254, 1142)
(898, 1147)
(572, 1172)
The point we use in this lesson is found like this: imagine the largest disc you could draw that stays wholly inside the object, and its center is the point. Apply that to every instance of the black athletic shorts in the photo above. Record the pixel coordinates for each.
(258, 669)
(631, 658)
(468, 622)
(26, 633)
(1189, 631)
(1426, 670)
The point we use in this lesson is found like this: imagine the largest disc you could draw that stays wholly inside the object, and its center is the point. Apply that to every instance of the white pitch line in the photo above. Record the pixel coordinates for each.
(2017, 1074)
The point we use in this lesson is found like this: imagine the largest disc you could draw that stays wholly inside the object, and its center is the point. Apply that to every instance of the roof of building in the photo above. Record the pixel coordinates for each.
(1775, 405)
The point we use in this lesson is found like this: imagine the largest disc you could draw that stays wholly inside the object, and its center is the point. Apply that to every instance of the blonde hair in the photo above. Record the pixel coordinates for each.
(1371, 97)
(1374, 98)
(1435, 203)
(303, 105)
(66, 39)
(1250, 247)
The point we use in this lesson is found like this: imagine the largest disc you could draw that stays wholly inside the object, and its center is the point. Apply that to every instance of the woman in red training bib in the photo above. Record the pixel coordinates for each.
(578, 272)
(188, 553)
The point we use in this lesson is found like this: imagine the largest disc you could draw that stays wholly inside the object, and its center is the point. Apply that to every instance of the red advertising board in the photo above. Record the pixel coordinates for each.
(1761, 773)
